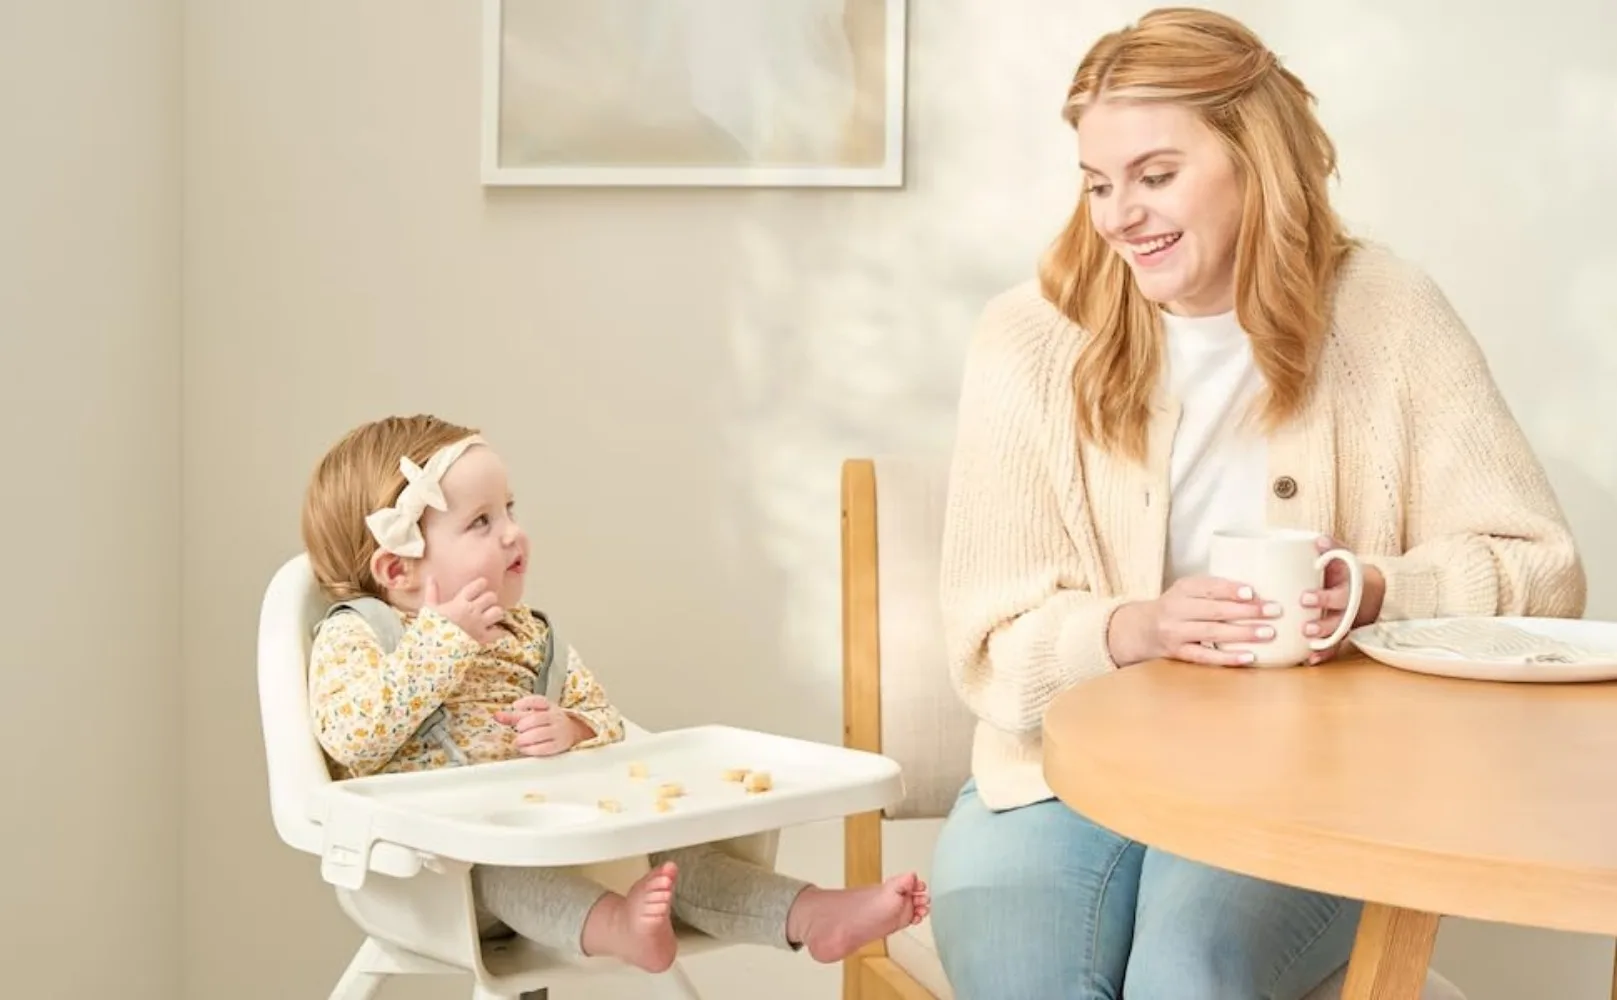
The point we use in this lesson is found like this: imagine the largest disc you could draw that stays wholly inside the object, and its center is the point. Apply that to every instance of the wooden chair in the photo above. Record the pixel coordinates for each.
(897, 700)
(896, 696)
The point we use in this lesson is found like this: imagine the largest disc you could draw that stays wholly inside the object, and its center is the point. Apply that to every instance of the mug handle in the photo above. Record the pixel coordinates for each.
(1355, 596)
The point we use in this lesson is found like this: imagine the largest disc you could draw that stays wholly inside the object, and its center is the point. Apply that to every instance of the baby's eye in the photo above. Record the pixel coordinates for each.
(1156, 180)
(480, 521)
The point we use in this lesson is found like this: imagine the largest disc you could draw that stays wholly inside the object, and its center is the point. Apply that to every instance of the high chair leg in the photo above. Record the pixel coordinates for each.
(358, 982)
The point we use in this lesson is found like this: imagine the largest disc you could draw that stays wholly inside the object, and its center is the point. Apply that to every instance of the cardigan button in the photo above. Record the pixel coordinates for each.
(1285, 487)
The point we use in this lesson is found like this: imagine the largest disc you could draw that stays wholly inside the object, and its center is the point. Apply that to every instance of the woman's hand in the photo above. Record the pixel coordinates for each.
(1332, 599)
(543, 729)
(1191, 613)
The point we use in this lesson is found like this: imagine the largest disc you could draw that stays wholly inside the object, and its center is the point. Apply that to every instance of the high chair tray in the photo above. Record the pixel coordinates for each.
(601, 804)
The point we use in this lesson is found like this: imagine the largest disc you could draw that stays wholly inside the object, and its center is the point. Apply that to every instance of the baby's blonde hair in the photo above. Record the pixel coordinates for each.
(358, 475)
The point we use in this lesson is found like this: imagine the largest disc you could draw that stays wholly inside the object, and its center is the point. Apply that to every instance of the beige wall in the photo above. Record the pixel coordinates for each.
(675, 374)
(89, 363)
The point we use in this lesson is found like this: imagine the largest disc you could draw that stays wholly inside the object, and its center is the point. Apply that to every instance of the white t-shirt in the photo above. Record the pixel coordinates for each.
(1219, 467)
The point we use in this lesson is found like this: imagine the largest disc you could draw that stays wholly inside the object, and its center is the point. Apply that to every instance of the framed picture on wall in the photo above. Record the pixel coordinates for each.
(717, 93)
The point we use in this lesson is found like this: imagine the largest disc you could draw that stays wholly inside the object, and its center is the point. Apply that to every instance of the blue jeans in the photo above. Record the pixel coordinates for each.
(1038, 903)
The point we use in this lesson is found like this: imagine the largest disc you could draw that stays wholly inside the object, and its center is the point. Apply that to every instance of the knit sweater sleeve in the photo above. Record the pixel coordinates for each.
(1020, 621)
(1484, 533)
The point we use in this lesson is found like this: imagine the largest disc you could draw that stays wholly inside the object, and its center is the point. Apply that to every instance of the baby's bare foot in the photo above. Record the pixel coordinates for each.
(637, 928)
(834, 923)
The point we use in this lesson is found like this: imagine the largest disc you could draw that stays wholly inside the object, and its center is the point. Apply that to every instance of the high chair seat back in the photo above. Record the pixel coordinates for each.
(293, 604)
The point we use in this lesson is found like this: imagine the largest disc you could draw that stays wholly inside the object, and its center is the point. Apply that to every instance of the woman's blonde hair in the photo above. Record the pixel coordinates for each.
(358, 475)
(1289, 246)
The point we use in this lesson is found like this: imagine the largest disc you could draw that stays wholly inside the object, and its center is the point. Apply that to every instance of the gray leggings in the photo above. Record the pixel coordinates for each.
(719, 895)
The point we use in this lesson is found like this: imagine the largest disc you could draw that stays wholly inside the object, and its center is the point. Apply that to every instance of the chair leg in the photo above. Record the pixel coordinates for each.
(358, 982)
(1614, 976)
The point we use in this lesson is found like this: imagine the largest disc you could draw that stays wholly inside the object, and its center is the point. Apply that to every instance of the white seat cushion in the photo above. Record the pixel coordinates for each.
(914, 952)
(907, 846)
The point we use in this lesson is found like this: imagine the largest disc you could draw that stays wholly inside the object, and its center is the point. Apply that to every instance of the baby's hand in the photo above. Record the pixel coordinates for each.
(543, 729)
(475, 609)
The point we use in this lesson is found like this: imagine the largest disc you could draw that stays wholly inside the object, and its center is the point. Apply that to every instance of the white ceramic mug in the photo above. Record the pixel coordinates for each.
(1280, 564)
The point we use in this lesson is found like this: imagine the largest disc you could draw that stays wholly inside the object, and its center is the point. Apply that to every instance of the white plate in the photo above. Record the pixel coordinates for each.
(1597, 637)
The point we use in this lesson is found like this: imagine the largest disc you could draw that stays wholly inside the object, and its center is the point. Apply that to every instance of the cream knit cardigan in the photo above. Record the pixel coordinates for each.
(1405, 452)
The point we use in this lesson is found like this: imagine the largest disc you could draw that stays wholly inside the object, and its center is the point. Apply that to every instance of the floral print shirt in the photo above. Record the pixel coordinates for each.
(366, 705)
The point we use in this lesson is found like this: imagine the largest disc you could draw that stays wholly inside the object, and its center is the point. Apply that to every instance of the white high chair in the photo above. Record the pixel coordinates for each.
(416, 909)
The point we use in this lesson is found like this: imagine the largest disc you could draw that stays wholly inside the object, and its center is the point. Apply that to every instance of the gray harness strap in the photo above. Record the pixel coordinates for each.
(434, 730)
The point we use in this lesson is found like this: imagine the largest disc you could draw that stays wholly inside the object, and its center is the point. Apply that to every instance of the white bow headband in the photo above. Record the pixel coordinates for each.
(397, 529)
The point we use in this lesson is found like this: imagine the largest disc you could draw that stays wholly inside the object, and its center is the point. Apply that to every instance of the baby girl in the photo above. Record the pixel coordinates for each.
(429, 659)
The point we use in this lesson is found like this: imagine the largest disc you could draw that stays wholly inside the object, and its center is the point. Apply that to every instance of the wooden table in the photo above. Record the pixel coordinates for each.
(1424, 796)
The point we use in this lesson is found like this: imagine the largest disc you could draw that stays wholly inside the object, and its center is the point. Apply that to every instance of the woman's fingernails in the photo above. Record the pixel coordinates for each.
(1247, 657)
(1310, 629)
(1309, 600)
(1244, 594)
(1265, 632)
(1271, 610)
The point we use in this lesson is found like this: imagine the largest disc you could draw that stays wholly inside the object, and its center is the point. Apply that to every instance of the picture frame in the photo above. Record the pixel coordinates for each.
(689, 93)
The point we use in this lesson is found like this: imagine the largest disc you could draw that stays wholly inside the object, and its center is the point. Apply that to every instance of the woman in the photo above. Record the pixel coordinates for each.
(1204, 348)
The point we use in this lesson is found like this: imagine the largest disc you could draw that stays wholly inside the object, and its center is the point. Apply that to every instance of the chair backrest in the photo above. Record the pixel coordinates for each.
(897, 697)
(293, 604)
